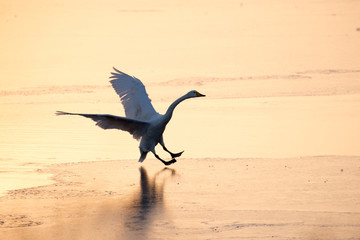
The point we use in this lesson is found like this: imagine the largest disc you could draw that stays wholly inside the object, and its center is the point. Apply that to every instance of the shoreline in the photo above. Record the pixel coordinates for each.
(48, 174)
(46, 177)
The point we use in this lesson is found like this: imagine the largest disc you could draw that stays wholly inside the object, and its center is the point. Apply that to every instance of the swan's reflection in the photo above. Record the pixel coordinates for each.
(148, 203)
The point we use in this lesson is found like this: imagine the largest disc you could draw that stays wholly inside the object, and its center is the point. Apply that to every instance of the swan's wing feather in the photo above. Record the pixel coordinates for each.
(133, 96)
(136, 128)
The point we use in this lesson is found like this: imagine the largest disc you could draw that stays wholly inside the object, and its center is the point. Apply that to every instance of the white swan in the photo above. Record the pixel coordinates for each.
(142, 121)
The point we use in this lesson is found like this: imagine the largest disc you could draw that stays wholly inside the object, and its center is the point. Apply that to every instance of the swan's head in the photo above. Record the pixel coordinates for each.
(194, 93)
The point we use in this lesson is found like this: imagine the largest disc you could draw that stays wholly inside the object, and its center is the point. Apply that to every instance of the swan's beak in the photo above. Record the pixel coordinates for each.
(200, 95)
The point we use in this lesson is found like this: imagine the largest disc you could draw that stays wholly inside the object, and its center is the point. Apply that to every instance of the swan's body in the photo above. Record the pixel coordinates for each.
(141, 121)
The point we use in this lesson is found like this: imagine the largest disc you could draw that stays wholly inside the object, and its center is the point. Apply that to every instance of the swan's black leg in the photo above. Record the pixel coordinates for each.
(173, 155)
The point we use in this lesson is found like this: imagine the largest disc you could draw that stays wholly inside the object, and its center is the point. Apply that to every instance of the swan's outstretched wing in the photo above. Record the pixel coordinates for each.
(133, 96)
(106, 121)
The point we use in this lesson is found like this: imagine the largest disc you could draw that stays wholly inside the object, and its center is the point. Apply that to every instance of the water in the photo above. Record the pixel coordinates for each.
(31, 136)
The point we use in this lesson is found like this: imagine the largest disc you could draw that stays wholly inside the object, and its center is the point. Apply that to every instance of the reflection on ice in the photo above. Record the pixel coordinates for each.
(147, 204)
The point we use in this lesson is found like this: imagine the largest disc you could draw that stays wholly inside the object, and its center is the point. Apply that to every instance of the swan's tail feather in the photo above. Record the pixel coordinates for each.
(59, 113)
(143, 156)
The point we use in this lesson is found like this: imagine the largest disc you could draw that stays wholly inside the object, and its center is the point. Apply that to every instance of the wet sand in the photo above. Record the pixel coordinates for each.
(292, 198)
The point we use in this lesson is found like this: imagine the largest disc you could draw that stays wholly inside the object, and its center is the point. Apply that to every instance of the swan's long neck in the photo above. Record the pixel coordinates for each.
(169, 112)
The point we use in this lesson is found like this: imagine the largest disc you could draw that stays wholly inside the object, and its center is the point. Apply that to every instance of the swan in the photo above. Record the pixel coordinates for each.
(141, 121)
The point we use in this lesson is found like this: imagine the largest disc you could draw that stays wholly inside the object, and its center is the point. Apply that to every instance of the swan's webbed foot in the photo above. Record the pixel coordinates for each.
(169, 162)
(165, 162)
(175, 155)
